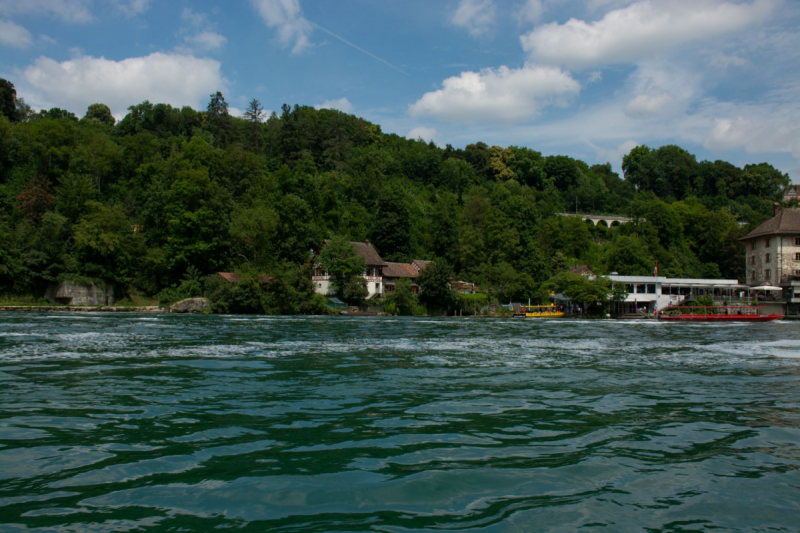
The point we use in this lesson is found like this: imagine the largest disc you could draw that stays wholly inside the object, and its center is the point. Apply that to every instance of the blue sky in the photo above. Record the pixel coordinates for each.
(585, 78)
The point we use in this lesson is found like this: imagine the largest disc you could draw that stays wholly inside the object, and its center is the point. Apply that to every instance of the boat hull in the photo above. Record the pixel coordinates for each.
(719, 318)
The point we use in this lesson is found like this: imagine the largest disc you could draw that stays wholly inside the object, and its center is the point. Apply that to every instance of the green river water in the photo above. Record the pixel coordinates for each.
(211, 423)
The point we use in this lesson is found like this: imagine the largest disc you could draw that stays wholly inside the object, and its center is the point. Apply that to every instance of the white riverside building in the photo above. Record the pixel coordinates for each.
(647, 294)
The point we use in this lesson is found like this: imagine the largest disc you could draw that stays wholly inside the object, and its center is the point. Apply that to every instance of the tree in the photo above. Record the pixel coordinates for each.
(434, 284)
(36, 198)
(345, 267)
(8, 100)
(106, 245)
(594, 294)
(391, 231)
(255, 115)
(402, 298)
(218, 121)
(99, 113)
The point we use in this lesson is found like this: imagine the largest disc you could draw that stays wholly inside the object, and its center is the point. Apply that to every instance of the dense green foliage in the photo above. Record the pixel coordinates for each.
(163, 192)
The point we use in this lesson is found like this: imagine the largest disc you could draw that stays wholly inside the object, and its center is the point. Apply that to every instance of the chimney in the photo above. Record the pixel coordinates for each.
(776, 208)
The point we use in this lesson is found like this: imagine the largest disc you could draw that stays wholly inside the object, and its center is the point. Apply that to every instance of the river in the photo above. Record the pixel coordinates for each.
(114, 422)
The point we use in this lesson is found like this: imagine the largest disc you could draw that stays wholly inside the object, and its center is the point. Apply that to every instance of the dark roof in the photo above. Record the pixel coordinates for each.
(230, 277)
(400, 270)
(785, 222)
(367, 251)
(583, 270)
(233, 277)
(420, 264)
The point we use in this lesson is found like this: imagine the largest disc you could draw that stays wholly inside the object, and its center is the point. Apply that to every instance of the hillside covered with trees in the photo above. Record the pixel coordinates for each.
(157, 201)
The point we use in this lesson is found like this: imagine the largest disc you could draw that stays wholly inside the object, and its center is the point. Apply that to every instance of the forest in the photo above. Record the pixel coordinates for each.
(157, 202)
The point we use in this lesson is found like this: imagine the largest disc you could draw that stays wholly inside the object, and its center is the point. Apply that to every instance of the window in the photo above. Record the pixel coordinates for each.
(766, 243)
(753, 245)
(753, 276)
(651, 288)
(797, 241)
(390, 288)
(797, 256)
(766, 259)
(377, 287)
(766, 274)
(752, 260)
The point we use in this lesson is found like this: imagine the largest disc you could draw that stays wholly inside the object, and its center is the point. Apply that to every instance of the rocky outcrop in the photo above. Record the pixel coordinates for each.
(191, 305)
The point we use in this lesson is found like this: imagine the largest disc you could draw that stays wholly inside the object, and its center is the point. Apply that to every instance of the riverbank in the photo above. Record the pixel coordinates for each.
(83, 309)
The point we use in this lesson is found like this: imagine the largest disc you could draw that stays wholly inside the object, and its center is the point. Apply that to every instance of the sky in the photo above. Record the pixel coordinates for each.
(589, 79)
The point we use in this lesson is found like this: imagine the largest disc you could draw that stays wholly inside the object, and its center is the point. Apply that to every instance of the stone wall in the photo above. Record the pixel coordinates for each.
(70, 293)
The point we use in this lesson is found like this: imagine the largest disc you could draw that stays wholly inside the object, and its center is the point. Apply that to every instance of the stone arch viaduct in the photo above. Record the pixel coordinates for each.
(603, 220)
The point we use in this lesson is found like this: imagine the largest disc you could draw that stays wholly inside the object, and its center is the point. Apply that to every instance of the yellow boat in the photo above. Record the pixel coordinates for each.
(540, 311)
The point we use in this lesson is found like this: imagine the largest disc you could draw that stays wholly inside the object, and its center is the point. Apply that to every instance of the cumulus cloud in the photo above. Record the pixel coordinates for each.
(67, 10)
(14, 35)
(286, 17)
(342, 104)
(638, 30)
(476, 16)
(501, 95)
(421, 132)
(75, 84)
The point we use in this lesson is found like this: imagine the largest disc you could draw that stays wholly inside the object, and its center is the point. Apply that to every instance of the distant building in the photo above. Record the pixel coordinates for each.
(647, 294)
(581, 270)
(381, 277)
(464, 287)
(394, 272)
(791, 192)
(773, 249)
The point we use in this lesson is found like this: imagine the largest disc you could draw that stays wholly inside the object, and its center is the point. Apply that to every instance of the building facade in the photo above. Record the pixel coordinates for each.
(373, 274)
(380, 276)
(773, 249)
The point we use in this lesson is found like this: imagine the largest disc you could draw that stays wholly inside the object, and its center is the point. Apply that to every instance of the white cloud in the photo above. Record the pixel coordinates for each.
(342, 104)
(75, 84)
(204, 38)
(133, 8)
(531, 11)
(660, 88)
(755, 135)
(67, 10)
(286, 17)
(476, 16)
(595, 76)
(207, 41)
(647, 104)
(193, 17)
(14, 35)
(421, 132)
(639, 30)
(615, 155)
(500, 95)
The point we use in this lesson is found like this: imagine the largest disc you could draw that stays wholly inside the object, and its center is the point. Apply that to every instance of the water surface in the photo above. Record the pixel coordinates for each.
(186, 423)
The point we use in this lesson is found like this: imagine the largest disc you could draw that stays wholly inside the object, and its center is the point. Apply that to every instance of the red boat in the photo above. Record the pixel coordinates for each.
(717, 313)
